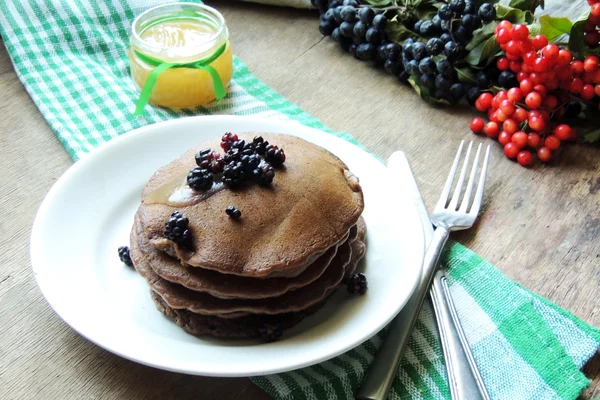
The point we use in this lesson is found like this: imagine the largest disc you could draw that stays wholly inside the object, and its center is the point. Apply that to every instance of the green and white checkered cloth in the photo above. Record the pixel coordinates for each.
(71, 58)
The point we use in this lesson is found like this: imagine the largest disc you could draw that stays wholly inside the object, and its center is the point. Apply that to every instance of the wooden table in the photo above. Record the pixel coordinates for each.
(540, 226)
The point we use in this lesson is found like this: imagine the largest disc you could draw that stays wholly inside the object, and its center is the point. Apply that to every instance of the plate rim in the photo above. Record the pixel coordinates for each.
(36, 237)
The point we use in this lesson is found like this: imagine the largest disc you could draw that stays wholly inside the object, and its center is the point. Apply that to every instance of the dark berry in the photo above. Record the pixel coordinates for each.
(365, 51)
(445, 25)
(232, 155)
(251, 162)
(337, 14)
(261, 147)
(234, 174)
(452, 51)
(573, 109)
(264, 174)
(437, 23)
(394, 51)
(470, 22)
(326, 27)
(200, 179)
(445, 13)
(335, 3)
(445, 37)
(428, 81)
(417, 26)
(403, 76)
(275, 155)
(352, 3)
(360, 30)
(176, 228)
(457, 6)
(442, 83)
(209, 160)
(393, 67)
(374, 36)
(473, 94)
(483, 81)
(444, 67)
(469, 7)
(347, 29)
(507, 79)
(357, 283)
(124, 256)
(346, 44)
(419, 51)
(227, 139)
(462, 35)
(270, 332)
(336, 35)
(413, 67)
(379, 21)
(407, 51)
(366, 15)
(457, 90)
(329, 15)
(233, 212)
(434, 46)
(427, 65)
(427, 29)
(487, 12)
(348, 13)
(239, 144)
(440, 94)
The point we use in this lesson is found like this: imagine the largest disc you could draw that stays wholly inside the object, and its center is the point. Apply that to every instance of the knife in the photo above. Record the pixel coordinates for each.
(465, 381)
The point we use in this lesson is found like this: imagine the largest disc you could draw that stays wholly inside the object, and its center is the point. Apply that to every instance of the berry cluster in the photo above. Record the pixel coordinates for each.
(521, 118)
(176, 229)
(124, 256)
(591, 35)
(356, 283)
(241, 162)
(448, 33)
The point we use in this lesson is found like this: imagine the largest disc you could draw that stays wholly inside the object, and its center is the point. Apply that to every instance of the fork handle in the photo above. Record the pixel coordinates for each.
(382, 371)
(463, 376)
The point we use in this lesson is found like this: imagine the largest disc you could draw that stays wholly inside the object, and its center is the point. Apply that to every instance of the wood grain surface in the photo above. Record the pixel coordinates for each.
(540, 226)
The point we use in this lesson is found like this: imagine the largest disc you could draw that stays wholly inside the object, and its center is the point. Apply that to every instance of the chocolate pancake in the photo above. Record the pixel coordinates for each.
(247, 326)
(228, 286)
(310, 206)
(179, 297)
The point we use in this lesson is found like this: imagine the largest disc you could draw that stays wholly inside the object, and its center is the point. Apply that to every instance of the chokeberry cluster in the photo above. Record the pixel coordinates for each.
(240, 163)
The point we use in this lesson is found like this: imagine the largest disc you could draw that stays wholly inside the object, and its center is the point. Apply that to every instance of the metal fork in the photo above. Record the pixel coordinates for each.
(451, 214)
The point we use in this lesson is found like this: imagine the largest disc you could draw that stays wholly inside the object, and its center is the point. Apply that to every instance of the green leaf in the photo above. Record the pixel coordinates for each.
(424, 92)
(379, 3)
(481, 35)
(525, 5)
(554, 27)
(514, 15)
(591, 136)
(397, 32)
(465, 75)
(483, 53)
(576, 44)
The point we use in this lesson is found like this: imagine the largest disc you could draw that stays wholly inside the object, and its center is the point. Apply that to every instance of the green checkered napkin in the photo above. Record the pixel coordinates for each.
(71, 57)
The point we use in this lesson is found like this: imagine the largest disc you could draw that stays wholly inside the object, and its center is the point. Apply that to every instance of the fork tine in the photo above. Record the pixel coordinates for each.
(479, 194)
(444, 197)
(467, 198)
(461, 179)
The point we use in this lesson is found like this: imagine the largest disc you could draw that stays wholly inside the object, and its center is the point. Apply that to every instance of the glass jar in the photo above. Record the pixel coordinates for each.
(184, 41)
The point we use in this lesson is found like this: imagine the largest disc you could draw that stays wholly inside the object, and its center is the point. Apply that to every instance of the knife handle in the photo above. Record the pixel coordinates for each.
(463, 376)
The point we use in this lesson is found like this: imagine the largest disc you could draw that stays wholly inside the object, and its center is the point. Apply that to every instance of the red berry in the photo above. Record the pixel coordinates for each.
(520, 114)
(590, 64)
(576, 67)
(491, 129)
(536, 78)
(522, 75)
(524, 158)
(479, 107)
(519, 32)
(587, 92)
(501, 116)
(576, 85)
(515, 94)
(537, 124)
(503, 36)
(591, 39)
(511, 150)
(563, 132)
(486, 100)
(510, 126)
(552, 142)
(550, 102)
(534, 113)
(542, 64)
(533, 100)
(477, 125)
(514, 47)
(597, 90)
(507, 106)
(541, 89)
(526, 86)
(596, 78)
(564, 57)
(552, 85)
(493, 115)
(520, 139)
(503, 63)
(544, 154)
(534, 140)
(515, 66)
(529, 58)
(504, 137)
(539, 42)
(595, 10)
(551, 52)
(505, 24)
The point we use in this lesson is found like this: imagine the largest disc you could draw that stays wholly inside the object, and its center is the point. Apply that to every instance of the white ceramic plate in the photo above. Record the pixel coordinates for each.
(88, 214)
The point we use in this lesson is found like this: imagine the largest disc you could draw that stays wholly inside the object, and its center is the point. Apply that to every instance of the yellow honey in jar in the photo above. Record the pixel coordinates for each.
(188, 39)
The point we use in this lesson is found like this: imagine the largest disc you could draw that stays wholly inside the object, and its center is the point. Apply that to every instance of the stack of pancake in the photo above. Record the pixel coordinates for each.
(295, 243)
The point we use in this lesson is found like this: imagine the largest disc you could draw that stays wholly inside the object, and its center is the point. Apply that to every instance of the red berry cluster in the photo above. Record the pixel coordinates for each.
(591, 35)
(521, 117)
